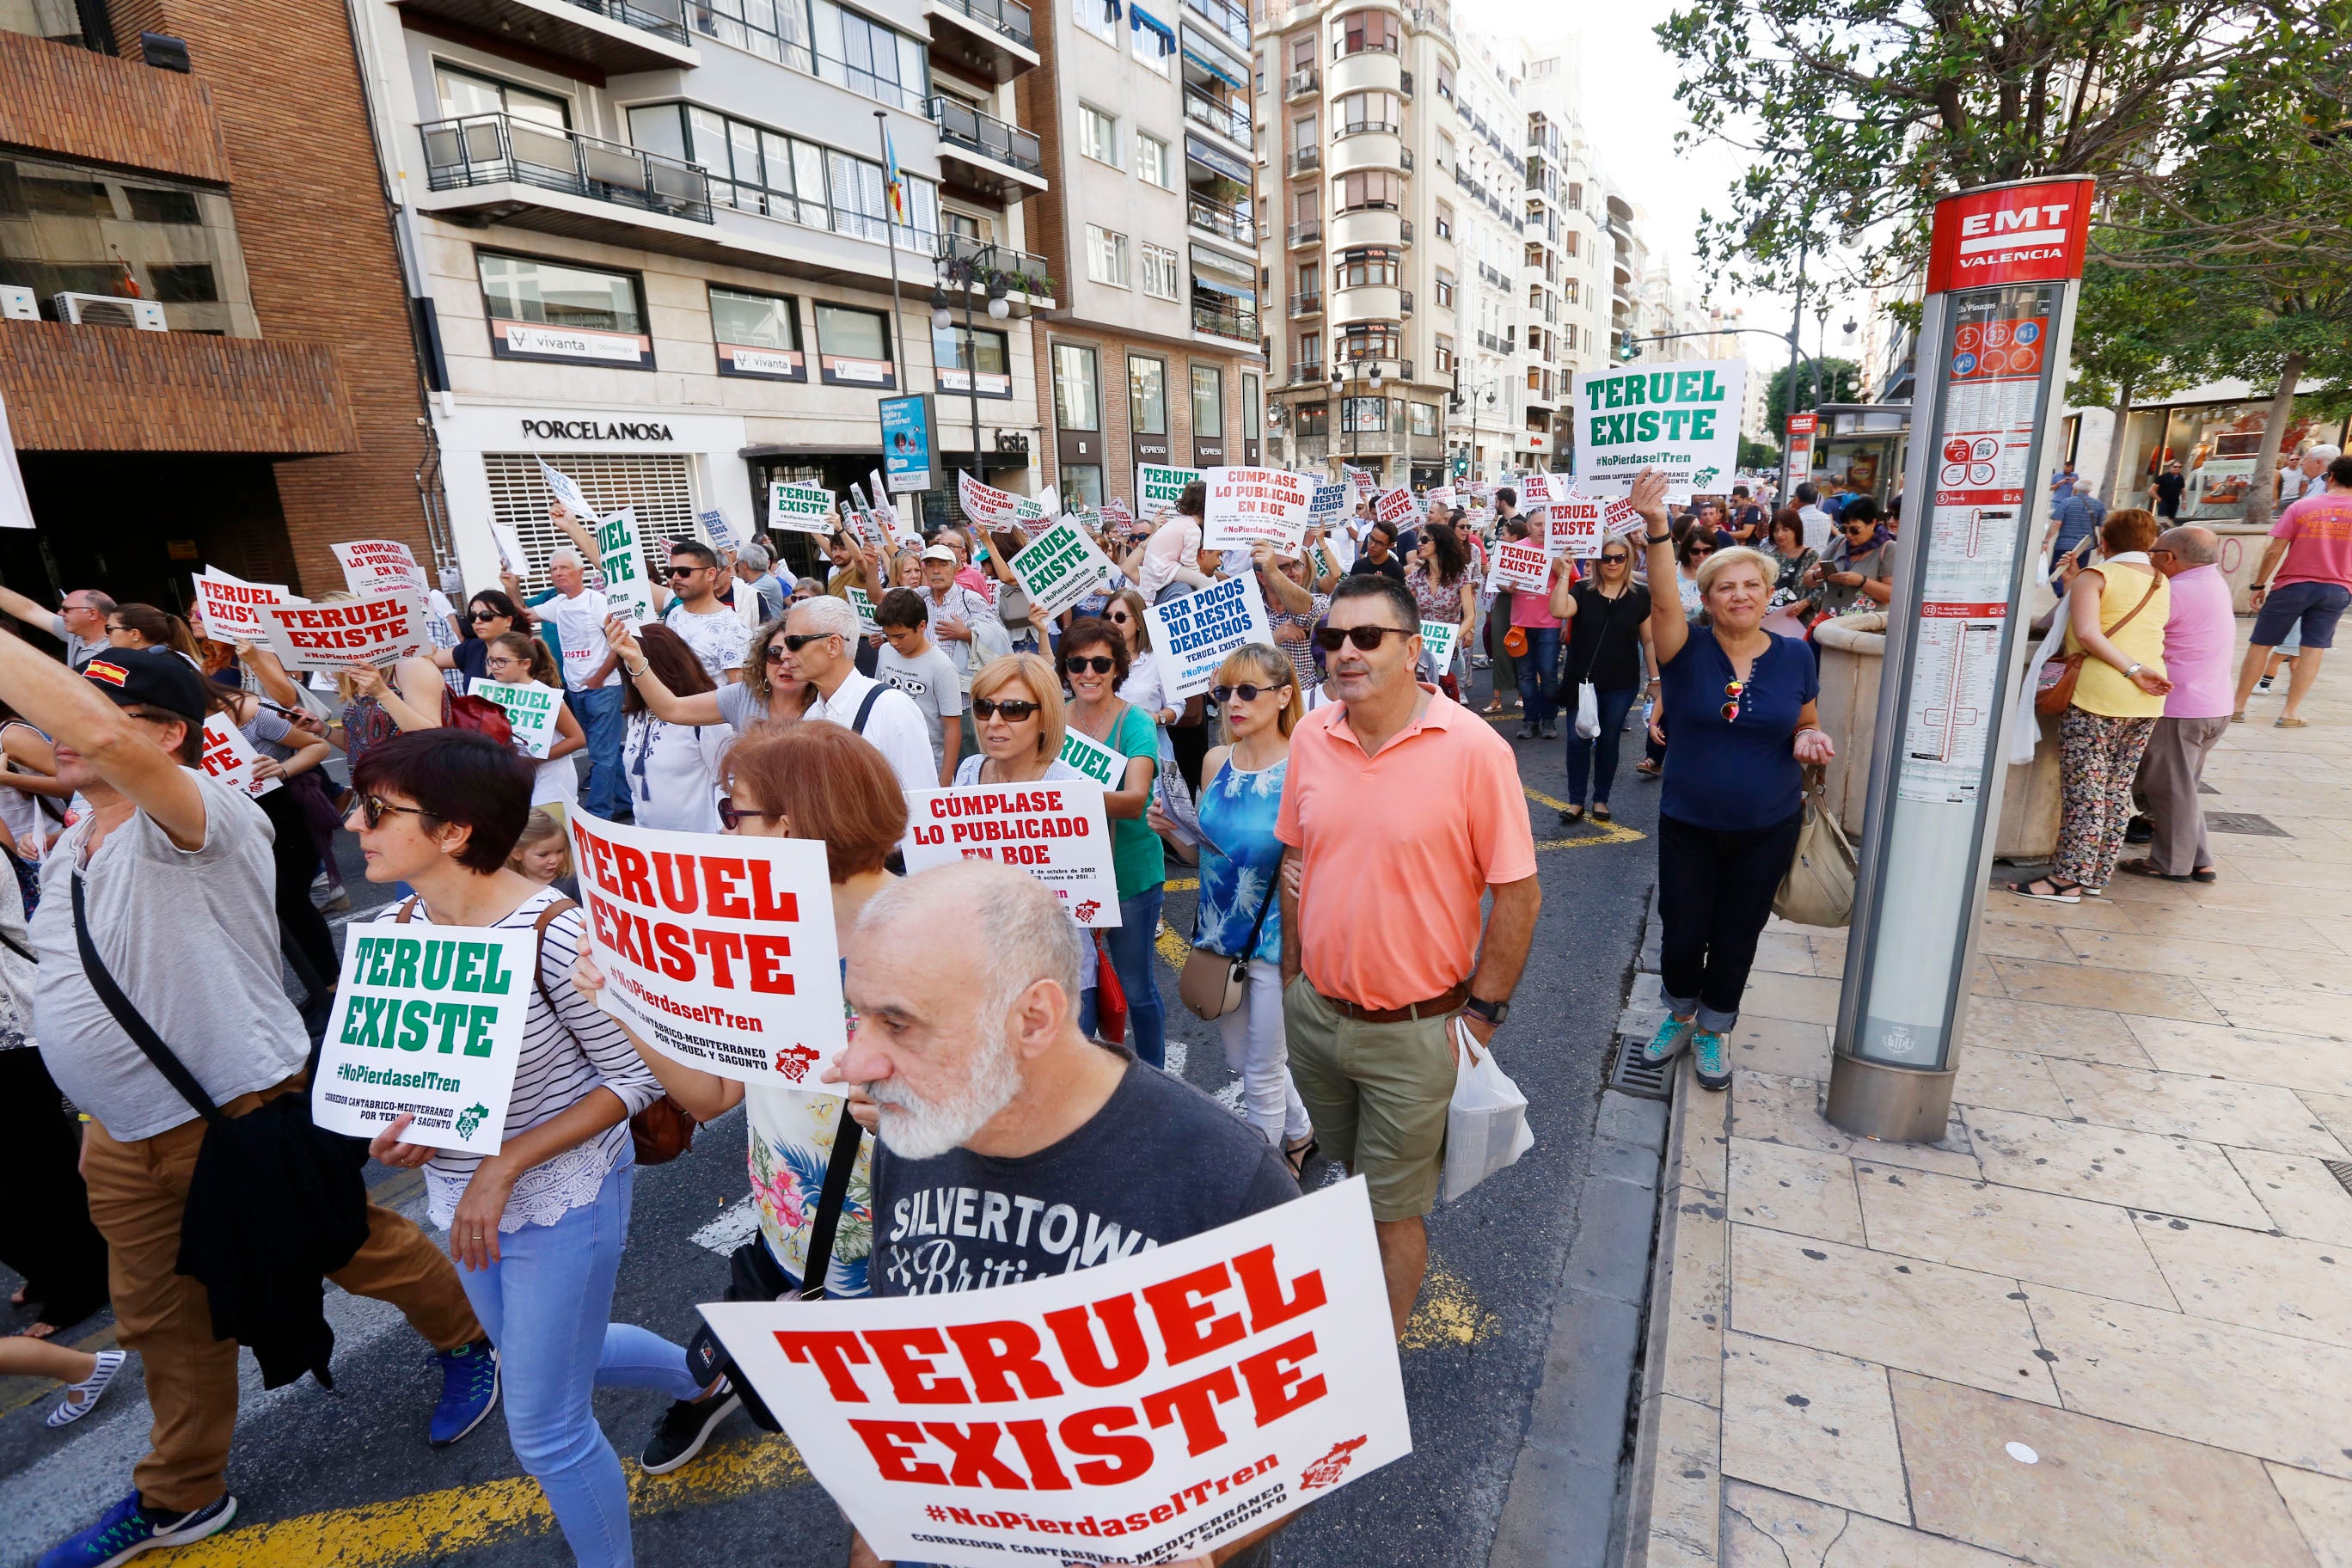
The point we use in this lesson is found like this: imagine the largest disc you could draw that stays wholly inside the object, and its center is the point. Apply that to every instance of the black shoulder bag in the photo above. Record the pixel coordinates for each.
(277, 1203)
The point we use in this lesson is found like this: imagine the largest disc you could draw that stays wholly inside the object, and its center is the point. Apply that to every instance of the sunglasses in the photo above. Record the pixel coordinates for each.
(479, 616)
(1011, 709)
(1737, 691)
(1615, 560)
(1701, 550)
(1101, 664)
(372, 809)
(1224, 694)
(732, 817)
(1366, 638)
(1122, 618)
(678, 572)
(797, 641)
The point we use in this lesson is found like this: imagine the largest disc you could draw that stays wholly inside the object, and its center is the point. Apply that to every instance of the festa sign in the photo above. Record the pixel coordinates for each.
(1140, 1411)
(1056, 830)
(718, 952)
(1520, 568)
(529, 708)
(228, 757)
(1195, 632)
(348, 634)
(801, 509)
(1680, 419)
(1059, 567)
(427, 1022)
(1256, 506)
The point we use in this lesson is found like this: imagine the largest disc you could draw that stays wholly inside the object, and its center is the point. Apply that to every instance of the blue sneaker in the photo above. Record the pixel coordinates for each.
(1709, 1061)
(1667, 1042)
(130, 1528)
(469, 1391)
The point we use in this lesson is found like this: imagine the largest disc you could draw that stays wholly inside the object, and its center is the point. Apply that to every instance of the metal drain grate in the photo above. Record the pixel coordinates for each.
(2245, 822)
(2342, 1170)
(1631, 1075)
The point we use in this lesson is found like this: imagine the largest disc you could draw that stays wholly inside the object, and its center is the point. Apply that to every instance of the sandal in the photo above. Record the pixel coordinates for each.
(2056, 891)
(1295, 1156)
(2239, 717)
(2142, 869)
(2290, 723)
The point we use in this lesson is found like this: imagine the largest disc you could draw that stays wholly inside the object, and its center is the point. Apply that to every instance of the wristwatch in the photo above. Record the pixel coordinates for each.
(1493, 1013)
(2136, 668)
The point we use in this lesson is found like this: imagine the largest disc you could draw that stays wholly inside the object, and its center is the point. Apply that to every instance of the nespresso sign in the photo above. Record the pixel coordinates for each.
(594, 430)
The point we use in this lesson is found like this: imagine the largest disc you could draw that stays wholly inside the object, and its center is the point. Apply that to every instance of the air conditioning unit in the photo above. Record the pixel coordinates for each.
(19, 303)
(108, 310)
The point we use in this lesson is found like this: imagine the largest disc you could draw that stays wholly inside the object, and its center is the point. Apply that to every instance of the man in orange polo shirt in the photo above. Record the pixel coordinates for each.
(1379, 927)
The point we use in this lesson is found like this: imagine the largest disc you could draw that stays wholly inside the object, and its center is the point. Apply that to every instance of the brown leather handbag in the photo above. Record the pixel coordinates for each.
(2056, 693)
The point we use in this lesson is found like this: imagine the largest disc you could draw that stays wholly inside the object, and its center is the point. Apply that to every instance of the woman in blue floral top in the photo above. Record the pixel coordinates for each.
(810, 781)
(1241, 863)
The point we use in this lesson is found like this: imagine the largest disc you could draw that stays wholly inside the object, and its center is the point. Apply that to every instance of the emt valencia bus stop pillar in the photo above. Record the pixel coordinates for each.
(2005, 264)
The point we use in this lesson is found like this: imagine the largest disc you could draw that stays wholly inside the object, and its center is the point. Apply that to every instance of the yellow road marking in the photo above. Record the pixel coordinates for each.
(434, 1525)
(1173, 949)
(1595, 832)
(1183, 884)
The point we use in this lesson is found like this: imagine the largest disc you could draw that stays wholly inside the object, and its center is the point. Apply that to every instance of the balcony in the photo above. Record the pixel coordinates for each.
(1227, 121)
(1024, 272)
(611, 36)
(1493, 275)
(994, 40)
(1224, 321)
(1306, 373)
(1301, 84)
(1306, 161)
(1226, 17)
(1225, 222)
(982, 154)
(503, 157)
(1305, 234)
(1305, 305)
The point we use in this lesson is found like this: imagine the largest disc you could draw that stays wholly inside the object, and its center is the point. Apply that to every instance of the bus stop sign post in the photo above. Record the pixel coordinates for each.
(2005, 263)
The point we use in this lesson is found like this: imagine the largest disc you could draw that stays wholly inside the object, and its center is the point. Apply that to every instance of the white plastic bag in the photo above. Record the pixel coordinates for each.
(1486, 1124)
(2024, 724)
(1588, 710)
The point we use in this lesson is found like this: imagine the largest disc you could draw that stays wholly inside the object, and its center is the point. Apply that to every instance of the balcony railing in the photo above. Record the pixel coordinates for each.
(1298, 84)
(1226, 17)
(1216, 217)
(664, 18)
(1015, 265)
(1306, 372)
(1224, 118)
(1306, 304)
(1009, 17)
(494, 149)
(985, 134)
(1224, 321)
(1306, 161)
(1307, 233)
(1362, 127)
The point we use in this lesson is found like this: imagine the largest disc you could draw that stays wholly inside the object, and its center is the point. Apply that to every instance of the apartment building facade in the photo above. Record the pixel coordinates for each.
(654, 243)
(203, 350)
(1150, 149)
(1364, 241)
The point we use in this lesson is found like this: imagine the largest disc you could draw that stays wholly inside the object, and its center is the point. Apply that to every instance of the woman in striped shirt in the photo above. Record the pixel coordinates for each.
(537, 1228)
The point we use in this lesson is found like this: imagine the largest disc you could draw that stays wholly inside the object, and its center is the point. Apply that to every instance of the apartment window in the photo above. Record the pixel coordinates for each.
(1097, 135)
(964, 225)
(1105, 257)
(1100, 17)
(1361, 413)
(61, 231)
(1253, 407)
(1160, 273)
(1302, 134)
(1077, 402)
(1207, 403)
(1444, 220)
(1146, 396)
(1311, 418)
(1535, 376)
(1576, 196)
(870, 59)
(757, 170)
(1369, 188)
(1569, 288)
(774, 32)
(1305, 205)
(1362, 30)
(1302, 53)
(1444, 289)
(1442, 355)
(1425, 419)
(464, 93)
(972, 360)
(1307, 349)
(756, 335)
(862, 337)
(1572, 245)
(1447, 154)
(1366, 112)
(1371, 266)
(1152, 44)
(1371, 340)
(1151, 160)
(553, 293)
(1445, 82)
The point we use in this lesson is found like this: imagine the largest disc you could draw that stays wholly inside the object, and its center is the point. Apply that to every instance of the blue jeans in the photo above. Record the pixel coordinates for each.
(599, 712)
(1132, 950)
(1600, 753)
(1538, 694)
(546, 1304)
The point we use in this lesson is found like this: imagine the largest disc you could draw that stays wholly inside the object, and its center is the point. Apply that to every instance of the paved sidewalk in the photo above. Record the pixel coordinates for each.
(2108, 1319)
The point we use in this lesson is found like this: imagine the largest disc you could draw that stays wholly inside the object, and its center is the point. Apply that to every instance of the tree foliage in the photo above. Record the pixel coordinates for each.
(1840, 382)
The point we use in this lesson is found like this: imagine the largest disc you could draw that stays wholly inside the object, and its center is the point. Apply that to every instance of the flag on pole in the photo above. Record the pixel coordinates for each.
(894, 179)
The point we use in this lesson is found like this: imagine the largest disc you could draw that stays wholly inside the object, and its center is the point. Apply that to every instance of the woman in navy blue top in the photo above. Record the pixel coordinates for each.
(1738, 704)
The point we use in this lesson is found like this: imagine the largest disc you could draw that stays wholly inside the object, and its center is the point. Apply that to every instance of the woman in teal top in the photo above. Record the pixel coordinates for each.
(1241, 867)
(1093, 662)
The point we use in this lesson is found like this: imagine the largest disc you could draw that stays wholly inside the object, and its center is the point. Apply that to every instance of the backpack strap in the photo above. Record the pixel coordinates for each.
(134, 1023)
(866, 708)
(539, 949)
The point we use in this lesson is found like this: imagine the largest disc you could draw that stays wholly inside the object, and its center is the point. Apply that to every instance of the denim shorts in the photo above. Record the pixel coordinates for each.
(2316, 607)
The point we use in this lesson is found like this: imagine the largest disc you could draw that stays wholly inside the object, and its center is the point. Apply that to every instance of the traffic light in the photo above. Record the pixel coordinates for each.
(1629, 348)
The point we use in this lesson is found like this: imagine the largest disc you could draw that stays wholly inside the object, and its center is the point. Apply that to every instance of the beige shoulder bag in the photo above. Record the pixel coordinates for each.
(1210, 985)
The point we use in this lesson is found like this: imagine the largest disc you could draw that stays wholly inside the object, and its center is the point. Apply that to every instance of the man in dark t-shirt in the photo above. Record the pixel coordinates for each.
(1010, 1145)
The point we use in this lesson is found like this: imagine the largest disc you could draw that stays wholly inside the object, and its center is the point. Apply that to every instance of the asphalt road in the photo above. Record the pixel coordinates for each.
(345, 1477)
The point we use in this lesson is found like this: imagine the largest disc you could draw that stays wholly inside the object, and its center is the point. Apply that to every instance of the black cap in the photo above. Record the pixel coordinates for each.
(154, 676)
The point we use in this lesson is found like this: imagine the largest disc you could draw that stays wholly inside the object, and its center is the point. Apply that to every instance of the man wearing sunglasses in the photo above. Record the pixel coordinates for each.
(819, 643)
(1860, 566)
(79, 621)
(1370, 1004)
(716, 633)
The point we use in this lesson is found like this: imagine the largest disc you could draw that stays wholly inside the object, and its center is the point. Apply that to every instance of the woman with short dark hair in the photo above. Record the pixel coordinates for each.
(537, 1228)
(489, 614)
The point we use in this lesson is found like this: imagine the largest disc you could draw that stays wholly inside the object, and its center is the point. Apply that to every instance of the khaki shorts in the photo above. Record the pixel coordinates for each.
(1377, 1095)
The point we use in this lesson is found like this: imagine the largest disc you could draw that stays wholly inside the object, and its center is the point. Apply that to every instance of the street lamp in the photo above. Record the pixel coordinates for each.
(1341, 379)
(964, 273)
(1471, 400)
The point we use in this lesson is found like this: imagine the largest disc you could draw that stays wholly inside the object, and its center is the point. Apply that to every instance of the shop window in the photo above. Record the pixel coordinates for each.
(1425, 419)
(1146, 396)
(1371, 266)
(1311, 418)
(1078, 400)
(1358, 415)
(1253, 407)
(854, 346)
(1082, 483)
(757, 335)
(1208, 404)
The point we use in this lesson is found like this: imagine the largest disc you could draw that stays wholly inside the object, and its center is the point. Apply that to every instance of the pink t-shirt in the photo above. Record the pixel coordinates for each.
(2318, 530)
(1534, 610)
(2200, 637)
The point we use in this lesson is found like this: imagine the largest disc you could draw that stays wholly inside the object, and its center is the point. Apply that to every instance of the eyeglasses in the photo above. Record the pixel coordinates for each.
(1119, 620)
(372, 809)
(732, 817)
(1248, 693)
(1011, 709)
(1101, 664)
(1366, 638)
(799, 641)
